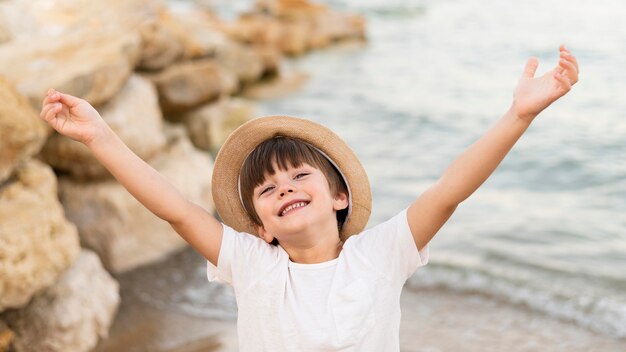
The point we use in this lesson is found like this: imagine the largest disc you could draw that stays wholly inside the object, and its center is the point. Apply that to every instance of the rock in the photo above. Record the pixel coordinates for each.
(271, 58)
(22, 133)
(6, 337)
(210, 125)
(279, 86)
(91, 65)
(37, 243)
(5, 36)
(192, 34)
(54, 19)
(261, 30)
(332, 27)
(121, 230)
(133, 114)
(326, 25)
(161, 46)
(295, 26)
(189, 84)
(246, 63)
(72, 314)
(291, 10)
(199, 32)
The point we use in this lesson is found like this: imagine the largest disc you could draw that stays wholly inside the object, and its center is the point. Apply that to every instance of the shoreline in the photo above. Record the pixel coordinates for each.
(433, 319)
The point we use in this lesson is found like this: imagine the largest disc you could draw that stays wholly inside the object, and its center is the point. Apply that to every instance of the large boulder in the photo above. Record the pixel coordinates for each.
(295, 26)
(290, 38)
(22, 133)
(37, 243)
(194, 34)
(121, 230)
(92, 65)
(54, 19)
(133, 114)
(72, 314)
(211, 124)
(161, 45)
(246, 63)
(189, 84)
(199, 32)
(6, 336)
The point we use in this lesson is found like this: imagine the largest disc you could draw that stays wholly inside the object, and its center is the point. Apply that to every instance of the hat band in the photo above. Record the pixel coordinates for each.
(345, 181)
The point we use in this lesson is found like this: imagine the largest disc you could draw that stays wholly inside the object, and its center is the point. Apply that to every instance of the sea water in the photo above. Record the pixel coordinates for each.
(548, 228)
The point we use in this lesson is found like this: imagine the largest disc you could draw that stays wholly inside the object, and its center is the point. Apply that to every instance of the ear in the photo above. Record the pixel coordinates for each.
(264, 235)
(341, 201)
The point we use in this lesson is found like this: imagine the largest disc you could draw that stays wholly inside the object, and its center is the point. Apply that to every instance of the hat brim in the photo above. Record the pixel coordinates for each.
(233, 153)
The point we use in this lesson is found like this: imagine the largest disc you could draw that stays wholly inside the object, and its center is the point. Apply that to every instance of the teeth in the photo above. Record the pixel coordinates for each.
(292, 206)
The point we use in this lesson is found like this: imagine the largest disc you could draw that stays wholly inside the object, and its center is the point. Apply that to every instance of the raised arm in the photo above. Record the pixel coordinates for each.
(77, 119)
(533, 94)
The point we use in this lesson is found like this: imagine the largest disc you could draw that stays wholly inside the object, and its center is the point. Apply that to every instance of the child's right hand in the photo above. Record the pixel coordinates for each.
(72, 117)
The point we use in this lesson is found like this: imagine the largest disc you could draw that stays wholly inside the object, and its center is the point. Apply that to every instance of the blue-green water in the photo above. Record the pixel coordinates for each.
(548, 229)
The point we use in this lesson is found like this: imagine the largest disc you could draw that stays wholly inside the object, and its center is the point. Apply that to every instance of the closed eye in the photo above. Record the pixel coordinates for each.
(301, 175)
(266, 189)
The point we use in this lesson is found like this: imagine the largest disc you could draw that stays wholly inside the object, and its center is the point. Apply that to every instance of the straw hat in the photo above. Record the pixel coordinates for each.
(225, 183)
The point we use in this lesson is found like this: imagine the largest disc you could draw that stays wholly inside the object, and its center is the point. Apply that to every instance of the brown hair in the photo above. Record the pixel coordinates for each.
(284, 152)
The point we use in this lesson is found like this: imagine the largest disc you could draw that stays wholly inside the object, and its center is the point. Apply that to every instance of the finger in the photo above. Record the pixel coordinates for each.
(565, 83)
(69, 100)
(45, 109)
(571, 58)
(52, 112)
(531, 67)
(570, 70)
(50, 97)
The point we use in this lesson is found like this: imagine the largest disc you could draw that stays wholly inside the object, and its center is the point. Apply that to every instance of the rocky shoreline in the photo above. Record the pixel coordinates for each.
(170, 83)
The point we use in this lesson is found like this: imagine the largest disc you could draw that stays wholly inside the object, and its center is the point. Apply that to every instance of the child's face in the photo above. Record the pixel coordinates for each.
(296, 200)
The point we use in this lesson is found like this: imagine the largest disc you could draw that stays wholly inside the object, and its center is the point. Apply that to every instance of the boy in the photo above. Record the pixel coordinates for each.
(306, 284)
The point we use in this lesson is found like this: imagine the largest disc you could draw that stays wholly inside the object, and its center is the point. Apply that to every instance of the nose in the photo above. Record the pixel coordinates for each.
(286, 188)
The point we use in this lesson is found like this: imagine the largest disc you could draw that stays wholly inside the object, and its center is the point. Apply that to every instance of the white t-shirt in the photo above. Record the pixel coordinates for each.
(351, 303)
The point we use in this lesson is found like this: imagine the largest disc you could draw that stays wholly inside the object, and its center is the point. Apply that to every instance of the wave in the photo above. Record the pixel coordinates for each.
(581, 302)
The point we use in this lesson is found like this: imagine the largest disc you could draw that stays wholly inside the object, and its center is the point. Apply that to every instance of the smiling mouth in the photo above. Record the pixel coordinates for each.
(293, 206)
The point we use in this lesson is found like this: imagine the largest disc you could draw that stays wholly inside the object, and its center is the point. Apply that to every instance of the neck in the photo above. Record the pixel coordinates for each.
(315, 255)
(321, 245)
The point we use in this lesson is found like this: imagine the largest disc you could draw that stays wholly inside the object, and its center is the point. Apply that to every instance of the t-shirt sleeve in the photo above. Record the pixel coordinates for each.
(391, 249)
(241, 257)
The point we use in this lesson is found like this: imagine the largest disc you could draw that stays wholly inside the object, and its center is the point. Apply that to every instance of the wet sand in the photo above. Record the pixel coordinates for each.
(433, 320)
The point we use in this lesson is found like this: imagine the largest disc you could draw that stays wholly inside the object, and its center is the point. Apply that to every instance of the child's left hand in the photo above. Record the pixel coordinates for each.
(533, 94)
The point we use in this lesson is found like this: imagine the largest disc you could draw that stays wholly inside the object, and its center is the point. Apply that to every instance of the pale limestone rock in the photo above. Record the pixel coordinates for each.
(292, 10)
(290, 38)
(6, 336)
(210, 125)
(246, 63)
(35, 18)
(5, 36)
(193, 34)
(199, 32)
(189, 84)
(270, 58)
(161, 45)
(89, 64)
(295, 26)
(22, 133)
(72, 314)
(133, 114)
(332, 27)
(37, 243)
(121, 230)
(278, 86)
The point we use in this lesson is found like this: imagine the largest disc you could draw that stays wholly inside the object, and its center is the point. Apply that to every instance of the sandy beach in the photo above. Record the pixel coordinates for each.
(433, 320)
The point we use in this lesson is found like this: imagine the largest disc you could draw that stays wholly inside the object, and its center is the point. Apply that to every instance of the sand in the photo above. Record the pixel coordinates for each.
(433, 320)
